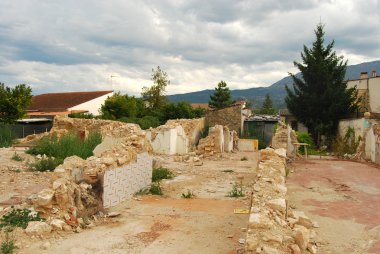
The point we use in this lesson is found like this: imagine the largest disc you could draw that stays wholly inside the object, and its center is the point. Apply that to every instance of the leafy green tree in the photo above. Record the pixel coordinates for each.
(320, 98)
(180, 110)
(267, 107)
(221, 97)
(119, 105)
(14, 102)
(155, 95)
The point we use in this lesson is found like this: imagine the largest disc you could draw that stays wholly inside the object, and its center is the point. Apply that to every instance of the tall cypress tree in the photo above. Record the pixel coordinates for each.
(319, 99)
(221, 97)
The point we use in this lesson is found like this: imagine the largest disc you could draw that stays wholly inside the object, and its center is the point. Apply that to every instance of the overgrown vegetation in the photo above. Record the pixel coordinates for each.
(159, 174)
(347, 144)
(237, 191)
(155, 189)
(7, 135)
(16, 157)
(188, 195)
(57, 149)
(304, 137)
(19, 218)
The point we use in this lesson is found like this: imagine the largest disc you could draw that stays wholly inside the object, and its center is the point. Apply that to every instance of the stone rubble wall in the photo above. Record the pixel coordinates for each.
(220, 139)
(285, 138)
(232, 117)
(273, 227)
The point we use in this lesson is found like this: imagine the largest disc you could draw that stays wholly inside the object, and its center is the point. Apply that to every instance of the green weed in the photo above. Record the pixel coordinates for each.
(8, 246)
(244, 158)
(227, 171)
(161, 173)
(188, 195)
(18, 218)
(17, 157)
(237, 191)
(45, 164)
(155, 189)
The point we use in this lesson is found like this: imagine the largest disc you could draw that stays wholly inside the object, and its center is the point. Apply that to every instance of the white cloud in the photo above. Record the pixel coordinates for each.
(78, 45)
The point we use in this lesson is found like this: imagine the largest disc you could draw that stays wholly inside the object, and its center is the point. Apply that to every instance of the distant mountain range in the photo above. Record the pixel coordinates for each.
(277, 90)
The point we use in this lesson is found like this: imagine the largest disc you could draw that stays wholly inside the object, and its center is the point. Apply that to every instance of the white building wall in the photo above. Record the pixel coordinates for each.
(92, 106)
(374, 94)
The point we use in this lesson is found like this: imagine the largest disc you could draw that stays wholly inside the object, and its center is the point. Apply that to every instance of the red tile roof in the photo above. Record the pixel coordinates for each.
(62, 101)
(200, 105)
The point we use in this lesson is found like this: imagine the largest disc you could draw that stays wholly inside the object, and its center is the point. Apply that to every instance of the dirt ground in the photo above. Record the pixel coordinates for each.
(167, 224)
(344, 198)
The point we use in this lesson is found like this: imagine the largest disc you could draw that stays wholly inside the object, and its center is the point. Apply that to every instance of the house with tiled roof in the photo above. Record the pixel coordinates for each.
(52, 104)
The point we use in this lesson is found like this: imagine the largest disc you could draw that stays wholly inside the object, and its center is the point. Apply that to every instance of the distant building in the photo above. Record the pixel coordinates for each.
(52, 104)
(369, 91)
(260, 127)
(290, 119)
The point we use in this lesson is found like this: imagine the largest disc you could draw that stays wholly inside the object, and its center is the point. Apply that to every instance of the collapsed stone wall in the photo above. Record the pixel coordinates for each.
(231, 117)
(220, 139)
(193, 129)
(285, 138)
(121, 166)
(168, 139)
(273, 227)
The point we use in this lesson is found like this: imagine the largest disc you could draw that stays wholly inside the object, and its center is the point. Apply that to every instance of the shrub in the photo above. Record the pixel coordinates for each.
(7, 136)
(237, 191)
(304, 137)
(155, 188)
(18, 218)
(161, 173)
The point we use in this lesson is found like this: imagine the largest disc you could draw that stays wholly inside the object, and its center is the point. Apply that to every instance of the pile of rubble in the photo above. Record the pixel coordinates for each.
(273, 227)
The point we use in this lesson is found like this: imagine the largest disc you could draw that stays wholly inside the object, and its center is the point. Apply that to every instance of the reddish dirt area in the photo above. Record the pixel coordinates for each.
(345, 197)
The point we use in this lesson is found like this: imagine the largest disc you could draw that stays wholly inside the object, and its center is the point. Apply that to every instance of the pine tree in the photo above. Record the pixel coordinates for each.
(221, 97)
(267, 107)
(320, 98)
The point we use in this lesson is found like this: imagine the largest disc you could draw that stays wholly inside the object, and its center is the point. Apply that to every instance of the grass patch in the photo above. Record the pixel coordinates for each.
(69, 145)
(7, 136)
(19, 218)
(8, 246)
(57, 150)
(236, 192)
(188, 195)
(227, 171)
(17, 157)
(155, 189)
(161, 173)
(244, 158)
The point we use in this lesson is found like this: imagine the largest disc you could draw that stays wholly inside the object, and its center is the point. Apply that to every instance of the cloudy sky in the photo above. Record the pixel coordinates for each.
(77, 45)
